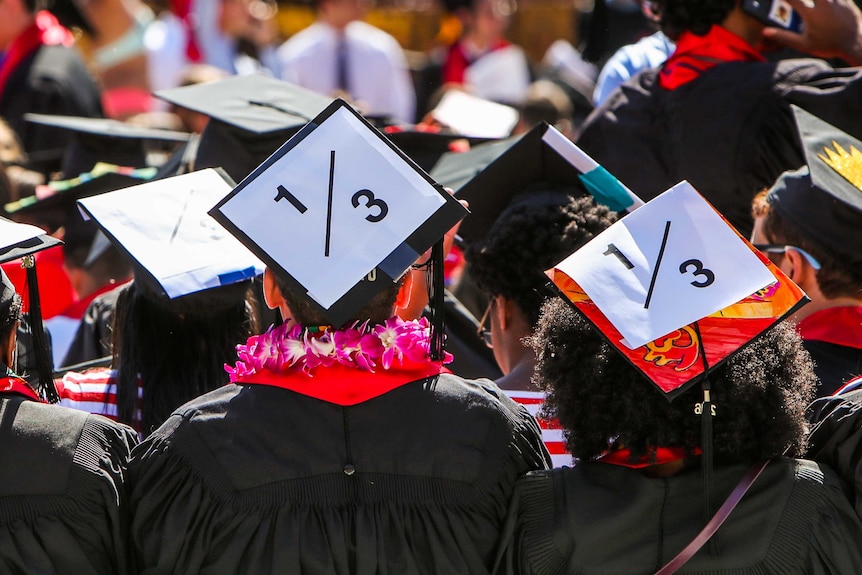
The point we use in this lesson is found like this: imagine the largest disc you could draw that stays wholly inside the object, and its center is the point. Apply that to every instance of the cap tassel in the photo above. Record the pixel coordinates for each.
(436, 301)
(706, 410)
(43, 363)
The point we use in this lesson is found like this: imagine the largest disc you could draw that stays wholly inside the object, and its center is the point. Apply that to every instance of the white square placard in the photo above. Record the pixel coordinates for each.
(666, 265)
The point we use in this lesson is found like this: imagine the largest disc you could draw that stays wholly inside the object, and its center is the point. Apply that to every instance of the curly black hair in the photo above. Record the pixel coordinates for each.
(760, 394)
(530, 237)
(696, 16)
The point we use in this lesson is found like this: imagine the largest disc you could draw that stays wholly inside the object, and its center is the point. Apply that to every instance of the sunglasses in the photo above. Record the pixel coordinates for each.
(780, 249)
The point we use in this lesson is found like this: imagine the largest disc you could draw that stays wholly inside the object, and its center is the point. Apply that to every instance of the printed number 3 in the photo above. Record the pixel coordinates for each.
(699, 270)
(370, 202)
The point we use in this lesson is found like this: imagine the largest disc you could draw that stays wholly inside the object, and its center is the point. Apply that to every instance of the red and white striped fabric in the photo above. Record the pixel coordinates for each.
(94, 391)
(552, 433)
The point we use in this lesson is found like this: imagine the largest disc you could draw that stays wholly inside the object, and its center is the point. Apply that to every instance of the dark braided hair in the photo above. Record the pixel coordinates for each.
(535, 233)
(177, 347)
(760, 394)
(696, 16)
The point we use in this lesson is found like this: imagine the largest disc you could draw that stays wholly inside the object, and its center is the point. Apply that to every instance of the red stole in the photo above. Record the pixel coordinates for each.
(18, 386)
(343, 385)
(45, 30)
(838, 325)
(662, 455)
(696, 54)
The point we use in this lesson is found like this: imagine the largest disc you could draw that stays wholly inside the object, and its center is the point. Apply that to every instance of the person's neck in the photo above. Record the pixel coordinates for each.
(820, 303)
(520, 376)
(744, 26)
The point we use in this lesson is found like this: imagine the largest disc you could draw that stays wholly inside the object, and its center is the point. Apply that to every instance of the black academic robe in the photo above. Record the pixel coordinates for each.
(730, 132)
(837, 438)
(51, 80)
(62, 497)
(600, 518)
(260, 479)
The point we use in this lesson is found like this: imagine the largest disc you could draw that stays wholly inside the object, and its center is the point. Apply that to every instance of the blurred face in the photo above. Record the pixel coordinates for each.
(490, 18)
(340, 13)
(236, 19)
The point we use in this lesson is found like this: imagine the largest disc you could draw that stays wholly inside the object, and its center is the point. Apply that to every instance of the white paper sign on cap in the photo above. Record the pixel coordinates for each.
(335, 203)
(165, 227)
(666, 265)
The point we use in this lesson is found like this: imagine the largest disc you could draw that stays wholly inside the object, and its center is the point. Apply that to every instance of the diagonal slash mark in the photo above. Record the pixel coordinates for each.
(329, 205)
(182, 215)
(657, 265)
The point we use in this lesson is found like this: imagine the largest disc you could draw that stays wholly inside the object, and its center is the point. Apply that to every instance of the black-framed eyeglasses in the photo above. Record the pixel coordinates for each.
(484, 332)
(781, 248)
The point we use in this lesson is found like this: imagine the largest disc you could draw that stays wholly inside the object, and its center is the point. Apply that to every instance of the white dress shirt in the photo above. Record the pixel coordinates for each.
(379, 81)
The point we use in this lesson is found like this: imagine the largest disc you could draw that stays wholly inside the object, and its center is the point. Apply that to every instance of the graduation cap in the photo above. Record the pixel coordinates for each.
(541, 155)
(250, 117)
(454, 169)
(426, 146)
(164, 227)
(823, 200)
(104, 140)
(340, 213)
(675, 288)
(22, 241)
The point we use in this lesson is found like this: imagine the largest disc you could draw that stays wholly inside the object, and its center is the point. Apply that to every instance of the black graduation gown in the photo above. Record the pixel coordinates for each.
(837, 438)
(730, 132)
(600, 518)
(259, 479)
(52, 80)
(62, 497)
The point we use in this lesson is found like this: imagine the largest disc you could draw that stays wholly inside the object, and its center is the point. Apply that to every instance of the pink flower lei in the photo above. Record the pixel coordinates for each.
(359, 345)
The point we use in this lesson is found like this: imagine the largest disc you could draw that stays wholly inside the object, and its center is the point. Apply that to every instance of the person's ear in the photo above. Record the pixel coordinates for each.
(796, 266)
(405, 294)
(271, 293)
(501, 310)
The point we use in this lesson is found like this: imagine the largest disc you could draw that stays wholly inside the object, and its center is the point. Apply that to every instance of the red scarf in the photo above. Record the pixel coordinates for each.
(18, 386)
(343, 385)
(662, 455)
(839, 325)
(45, 31)
(696, 54)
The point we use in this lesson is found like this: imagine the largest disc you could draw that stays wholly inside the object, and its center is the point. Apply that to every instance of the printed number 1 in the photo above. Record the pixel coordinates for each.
(615, 251)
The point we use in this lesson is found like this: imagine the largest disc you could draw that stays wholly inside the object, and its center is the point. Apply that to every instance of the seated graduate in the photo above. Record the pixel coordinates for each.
(172, 334)
(62, 494)
(652, 471)
(343, 445)
(809, 226)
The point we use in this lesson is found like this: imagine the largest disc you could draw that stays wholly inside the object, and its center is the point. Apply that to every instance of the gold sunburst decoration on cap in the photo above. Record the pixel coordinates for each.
(848, 164)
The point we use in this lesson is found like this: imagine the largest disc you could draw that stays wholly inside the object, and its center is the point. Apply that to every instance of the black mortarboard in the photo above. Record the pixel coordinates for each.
(104, 140)
(427, 147)
(22, 241)
(823, 201)
(250, 117)
(340, 213)
(542, 155)
(454, 169)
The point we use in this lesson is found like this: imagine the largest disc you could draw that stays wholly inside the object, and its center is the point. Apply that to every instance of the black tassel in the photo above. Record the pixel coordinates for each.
(44, 367)
(436, 301)
(707, 412)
